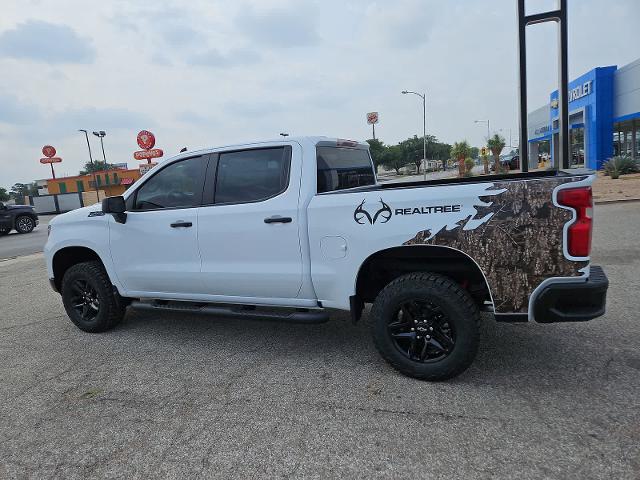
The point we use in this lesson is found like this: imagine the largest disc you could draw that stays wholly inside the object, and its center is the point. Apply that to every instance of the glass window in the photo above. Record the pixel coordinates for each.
(80, 185)
(252, 175)
(340, 168)
(107, 180)
(63, 187)
(177, 185)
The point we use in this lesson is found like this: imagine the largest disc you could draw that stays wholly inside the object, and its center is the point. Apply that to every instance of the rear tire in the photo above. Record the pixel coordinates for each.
(89, 298)
(426, 326)
(25, 224)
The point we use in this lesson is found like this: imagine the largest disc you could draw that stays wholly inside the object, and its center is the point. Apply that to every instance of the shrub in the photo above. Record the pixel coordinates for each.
(620, 165)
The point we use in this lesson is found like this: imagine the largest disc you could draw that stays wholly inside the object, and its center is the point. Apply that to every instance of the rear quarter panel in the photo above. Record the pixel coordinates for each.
(512, 229)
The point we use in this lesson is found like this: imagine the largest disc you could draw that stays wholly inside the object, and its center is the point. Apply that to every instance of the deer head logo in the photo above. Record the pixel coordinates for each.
(384, 213)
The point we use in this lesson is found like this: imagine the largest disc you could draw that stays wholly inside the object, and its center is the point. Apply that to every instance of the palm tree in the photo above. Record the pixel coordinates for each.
(460, 151)
(496, 145)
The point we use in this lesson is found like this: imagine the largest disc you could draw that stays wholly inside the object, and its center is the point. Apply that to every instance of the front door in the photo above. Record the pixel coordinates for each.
(156, 250)
(248, 234)
(6, 221)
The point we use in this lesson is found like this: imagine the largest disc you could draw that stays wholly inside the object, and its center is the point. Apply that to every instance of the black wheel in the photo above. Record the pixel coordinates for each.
(426, 326)
(25, 224)
(89, 299)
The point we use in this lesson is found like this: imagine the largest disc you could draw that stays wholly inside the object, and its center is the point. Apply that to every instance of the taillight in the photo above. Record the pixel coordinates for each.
(579, 232)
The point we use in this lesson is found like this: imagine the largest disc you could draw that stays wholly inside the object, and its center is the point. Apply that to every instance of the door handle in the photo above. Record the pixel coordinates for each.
(277, 219)
(180, 223)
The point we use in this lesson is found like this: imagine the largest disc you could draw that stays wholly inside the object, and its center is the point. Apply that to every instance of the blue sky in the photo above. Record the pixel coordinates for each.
(209, 72)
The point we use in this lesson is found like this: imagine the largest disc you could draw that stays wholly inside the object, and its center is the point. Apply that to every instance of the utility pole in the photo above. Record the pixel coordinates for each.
(93, 170)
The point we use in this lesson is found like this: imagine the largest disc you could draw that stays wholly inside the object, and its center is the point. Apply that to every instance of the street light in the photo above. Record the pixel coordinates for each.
(504, 130)
(95, 182)
(102, 134)
(487, 122)
(423, 96)
(284, 135)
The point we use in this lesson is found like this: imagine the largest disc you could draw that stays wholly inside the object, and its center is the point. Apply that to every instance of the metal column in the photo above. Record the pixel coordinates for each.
(559, 16)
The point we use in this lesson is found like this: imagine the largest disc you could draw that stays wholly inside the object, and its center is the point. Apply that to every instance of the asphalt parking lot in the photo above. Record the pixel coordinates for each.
(179, 396)
(15, 244)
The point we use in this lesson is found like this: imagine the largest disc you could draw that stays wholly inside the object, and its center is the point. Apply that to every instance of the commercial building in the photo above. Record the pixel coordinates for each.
(604, 118)
(112, 182)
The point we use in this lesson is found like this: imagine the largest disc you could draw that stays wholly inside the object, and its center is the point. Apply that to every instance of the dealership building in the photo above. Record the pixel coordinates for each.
(604, 118)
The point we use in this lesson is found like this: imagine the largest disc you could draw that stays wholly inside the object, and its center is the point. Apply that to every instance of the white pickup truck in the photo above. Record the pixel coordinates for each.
(289, 229)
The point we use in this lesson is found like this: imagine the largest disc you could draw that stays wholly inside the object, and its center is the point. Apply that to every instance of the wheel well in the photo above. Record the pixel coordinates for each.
(68, 257)
(386, 265)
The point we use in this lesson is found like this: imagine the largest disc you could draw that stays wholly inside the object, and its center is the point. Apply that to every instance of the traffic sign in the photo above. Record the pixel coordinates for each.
(146, 140)
(372, 118)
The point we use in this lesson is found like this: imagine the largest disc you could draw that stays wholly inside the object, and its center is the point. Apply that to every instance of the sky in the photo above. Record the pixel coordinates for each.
(206, 73)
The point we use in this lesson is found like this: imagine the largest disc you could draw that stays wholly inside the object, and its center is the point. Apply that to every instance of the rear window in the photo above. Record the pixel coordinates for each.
(340, 168)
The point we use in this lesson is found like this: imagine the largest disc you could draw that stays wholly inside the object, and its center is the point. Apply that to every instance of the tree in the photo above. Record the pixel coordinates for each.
(20, 190)
(377, 150)
(394, 158)
(4, 196)
(97, 166)
(496, 145)
(460, 151)
(475, 151)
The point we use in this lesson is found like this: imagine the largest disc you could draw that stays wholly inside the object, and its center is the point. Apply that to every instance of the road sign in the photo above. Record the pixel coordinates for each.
(146, 139)
(50, 160)
(48, 151)
(372, 118)
(145, 167)
(147, 154)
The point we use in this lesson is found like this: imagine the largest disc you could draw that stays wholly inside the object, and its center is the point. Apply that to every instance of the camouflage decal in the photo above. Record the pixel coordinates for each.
(515, 237)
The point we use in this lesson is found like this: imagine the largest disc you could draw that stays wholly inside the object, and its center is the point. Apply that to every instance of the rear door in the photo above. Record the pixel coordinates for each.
(249, 230)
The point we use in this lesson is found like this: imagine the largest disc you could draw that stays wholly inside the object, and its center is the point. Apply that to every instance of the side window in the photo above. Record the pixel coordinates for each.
(252, 175)
(178, 185)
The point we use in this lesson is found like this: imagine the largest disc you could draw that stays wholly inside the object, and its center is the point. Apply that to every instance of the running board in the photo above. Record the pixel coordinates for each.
(250, 312)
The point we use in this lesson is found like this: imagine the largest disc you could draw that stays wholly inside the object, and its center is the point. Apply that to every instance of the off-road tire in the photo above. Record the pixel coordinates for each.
(111, 308)
(453, 300)
(25, 224)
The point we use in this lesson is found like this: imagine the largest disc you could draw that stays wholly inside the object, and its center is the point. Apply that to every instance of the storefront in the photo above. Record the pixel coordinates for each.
(604, 118)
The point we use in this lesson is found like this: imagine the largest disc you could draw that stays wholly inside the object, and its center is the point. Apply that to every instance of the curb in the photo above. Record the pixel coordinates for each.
(623, 200)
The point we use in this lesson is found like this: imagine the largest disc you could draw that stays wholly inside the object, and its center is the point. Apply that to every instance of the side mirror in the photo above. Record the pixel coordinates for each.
(115, 206)
(1, 206)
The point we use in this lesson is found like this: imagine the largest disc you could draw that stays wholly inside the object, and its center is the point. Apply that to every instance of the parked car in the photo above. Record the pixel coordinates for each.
(508, 162)
(290, 229)
(22, 218)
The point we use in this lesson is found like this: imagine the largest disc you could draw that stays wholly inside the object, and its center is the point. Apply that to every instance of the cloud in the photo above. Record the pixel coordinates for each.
(46, 42)
(113, 118)
(13, 112)
(253, 109)
(278, 27)
(214, 58)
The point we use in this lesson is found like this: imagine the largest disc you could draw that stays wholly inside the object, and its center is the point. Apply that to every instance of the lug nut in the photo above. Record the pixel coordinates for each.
(431, 329)
(428, 337)
(413, 329)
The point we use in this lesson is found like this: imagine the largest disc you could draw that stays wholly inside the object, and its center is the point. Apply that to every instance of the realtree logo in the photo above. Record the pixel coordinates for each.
(383, 213)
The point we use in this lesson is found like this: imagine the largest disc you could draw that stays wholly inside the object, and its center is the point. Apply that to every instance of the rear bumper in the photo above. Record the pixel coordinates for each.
(571, 301)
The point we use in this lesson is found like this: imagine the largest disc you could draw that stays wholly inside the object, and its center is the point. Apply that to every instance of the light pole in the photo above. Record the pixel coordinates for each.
(504, 130)
(95, 182)
(101, 134)
(423, 96)
(284, 135)
(488, 131)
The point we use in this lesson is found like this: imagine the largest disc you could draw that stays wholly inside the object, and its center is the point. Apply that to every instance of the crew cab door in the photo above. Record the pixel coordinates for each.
(6, 220)
(156, 250)
(248, 228)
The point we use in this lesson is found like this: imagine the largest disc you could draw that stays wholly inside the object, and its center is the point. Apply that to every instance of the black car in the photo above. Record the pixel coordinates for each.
(22, 218)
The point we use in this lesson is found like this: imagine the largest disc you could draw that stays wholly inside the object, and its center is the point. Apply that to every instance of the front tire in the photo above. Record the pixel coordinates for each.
(89, 298)
(25, 224)
(426, 326)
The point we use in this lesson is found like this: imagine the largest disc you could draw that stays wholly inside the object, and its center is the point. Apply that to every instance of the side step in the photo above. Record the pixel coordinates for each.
(250, 312)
